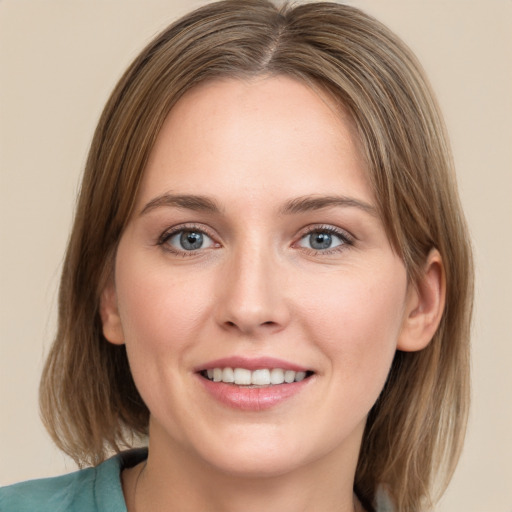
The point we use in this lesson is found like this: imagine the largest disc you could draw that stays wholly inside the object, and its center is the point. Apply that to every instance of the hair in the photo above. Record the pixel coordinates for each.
(414, 432)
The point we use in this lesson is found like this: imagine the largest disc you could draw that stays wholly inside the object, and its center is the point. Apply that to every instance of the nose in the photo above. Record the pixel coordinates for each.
(252, 294)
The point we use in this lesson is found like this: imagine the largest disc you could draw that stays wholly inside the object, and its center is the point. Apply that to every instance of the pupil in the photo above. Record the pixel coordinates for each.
(191, 240)
(321, 240)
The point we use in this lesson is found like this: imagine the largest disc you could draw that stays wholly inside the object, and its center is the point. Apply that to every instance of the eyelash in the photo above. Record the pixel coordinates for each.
(167, 235)
(347, 240)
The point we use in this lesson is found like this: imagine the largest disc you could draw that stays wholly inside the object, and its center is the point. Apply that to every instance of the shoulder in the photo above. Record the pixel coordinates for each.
(382, 501)
(95, 489)
(62, 493)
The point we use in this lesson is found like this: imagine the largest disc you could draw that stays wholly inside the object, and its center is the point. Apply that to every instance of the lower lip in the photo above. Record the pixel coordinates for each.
(252, 398)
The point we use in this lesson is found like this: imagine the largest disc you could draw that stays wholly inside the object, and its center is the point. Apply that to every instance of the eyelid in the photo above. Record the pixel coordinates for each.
(347, 238)
(343, 233)
(174, 230)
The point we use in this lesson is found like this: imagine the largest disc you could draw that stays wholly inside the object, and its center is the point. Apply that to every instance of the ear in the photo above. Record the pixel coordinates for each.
(425, 306)
(109, 313)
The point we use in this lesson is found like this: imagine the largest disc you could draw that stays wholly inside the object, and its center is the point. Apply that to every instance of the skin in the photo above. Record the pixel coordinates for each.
(257, 288)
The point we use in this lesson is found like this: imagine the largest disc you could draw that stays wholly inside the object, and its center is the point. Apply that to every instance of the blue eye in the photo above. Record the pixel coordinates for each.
(189, 240)
(322, 240)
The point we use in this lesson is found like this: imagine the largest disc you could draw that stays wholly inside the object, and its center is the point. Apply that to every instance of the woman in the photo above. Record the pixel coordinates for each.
(269, 276)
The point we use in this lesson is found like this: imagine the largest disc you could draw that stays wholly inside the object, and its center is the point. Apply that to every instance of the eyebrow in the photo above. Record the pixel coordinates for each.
(301, 204)
(310, 203)
(188, 201)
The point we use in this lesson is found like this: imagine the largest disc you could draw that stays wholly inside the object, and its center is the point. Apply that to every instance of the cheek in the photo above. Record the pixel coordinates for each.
(161, 311)
(356, 321)
(162, 316)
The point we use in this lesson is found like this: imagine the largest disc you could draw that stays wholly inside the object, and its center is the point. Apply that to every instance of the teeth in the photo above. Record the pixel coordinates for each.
(276, 376)
(260, 377)
(289, 376)
(300, 376)
(228, 375)
(242, 376)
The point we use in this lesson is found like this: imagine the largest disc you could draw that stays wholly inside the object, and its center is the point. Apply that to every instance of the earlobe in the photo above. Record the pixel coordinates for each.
(109, 313)
(425, 306)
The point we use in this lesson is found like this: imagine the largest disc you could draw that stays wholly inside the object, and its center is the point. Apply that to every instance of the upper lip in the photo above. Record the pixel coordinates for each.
(252, 363)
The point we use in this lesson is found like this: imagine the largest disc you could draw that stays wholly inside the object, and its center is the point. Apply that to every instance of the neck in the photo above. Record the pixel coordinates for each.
(174, 480)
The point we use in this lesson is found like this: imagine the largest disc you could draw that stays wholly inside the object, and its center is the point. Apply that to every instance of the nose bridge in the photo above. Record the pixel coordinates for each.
(252, 296)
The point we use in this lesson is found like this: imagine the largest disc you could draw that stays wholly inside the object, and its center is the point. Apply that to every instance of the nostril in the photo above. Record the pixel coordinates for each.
(233, 324)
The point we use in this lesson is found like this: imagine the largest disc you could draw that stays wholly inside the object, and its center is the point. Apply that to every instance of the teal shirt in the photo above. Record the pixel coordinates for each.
(88, 490)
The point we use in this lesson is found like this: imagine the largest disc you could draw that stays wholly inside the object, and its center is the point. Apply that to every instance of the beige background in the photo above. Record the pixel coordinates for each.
(59, 61)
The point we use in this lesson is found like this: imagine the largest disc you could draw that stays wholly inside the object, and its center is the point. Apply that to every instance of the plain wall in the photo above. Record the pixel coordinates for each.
(59, 60)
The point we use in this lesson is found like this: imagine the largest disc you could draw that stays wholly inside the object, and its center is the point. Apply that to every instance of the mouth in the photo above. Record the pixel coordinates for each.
(258, 378)
(254, 384)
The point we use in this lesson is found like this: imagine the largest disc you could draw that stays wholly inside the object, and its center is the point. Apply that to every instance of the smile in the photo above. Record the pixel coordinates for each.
(255, 383)
(254, 378)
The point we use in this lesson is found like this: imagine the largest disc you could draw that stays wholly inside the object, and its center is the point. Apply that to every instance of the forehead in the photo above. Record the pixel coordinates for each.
(271, 132)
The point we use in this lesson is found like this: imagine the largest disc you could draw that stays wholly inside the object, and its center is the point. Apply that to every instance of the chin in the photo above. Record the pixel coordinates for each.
(258, 466)
(266, 455)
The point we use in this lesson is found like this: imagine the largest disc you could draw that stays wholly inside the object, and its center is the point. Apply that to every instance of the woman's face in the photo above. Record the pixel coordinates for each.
(256, 254)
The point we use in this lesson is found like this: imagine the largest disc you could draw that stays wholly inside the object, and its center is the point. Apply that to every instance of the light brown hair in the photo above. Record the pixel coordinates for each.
(415, 431)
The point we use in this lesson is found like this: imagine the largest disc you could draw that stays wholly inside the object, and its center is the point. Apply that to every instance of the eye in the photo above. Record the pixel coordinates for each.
(187, 240)
(324, 239)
